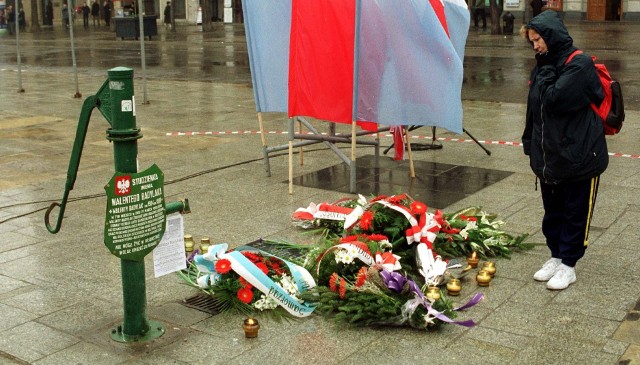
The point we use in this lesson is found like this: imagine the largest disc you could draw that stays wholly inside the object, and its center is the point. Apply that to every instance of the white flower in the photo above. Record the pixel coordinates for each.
(385, 245)
(484, 219)
(471, 225)
(288, 284)
(346, 255)
(265, 303)
(497, 224)
(491, 241)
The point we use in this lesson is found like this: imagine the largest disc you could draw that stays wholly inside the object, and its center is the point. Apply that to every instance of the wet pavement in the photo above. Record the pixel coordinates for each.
(221, 56)
(60, 295)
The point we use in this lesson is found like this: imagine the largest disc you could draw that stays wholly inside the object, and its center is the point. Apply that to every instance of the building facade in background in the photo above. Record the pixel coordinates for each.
(230, 11)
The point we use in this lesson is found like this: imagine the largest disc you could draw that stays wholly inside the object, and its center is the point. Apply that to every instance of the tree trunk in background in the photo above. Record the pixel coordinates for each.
(35, 20)
(495, 10)
(207, 25)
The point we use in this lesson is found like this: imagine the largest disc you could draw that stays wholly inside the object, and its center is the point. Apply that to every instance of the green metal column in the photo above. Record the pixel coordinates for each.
(124, 136)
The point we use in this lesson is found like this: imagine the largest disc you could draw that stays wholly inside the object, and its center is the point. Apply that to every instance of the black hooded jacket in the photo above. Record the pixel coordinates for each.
(563, 136)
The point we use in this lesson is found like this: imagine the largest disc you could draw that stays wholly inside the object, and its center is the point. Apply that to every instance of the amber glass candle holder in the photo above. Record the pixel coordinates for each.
(251, 327)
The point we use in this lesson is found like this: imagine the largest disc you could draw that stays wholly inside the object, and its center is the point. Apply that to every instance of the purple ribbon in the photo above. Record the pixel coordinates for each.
(393, 279)
(192, 256)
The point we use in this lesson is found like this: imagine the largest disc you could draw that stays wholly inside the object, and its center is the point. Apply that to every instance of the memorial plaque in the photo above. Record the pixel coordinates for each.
(136, 216)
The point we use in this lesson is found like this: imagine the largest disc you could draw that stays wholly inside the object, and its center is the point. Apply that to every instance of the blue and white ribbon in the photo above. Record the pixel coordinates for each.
(254, 276)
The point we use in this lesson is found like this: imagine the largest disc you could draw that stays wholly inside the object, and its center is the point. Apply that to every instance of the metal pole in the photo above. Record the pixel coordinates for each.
(73, 49)
(124, 136)
(16, 21)
(142, 53)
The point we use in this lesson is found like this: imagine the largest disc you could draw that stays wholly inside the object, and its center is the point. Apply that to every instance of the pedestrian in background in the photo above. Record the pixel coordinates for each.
(536, 7)
(564, 139)
(3, 20)
(11, 19)
(167, 14)
(65, 15)
(615, 10)
(106, 12)
(22, 20)
(479, 11)
(86, 10)
(95, 13)
(48, 13)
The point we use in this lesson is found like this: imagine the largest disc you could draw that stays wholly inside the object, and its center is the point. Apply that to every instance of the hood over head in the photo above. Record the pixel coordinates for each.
(551, 28)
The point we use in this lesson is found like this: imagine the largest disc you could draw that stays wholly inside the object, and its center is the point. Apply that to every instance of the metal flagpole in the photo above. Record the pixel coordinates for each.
(71, 13)
(142, 53)
(16, 21)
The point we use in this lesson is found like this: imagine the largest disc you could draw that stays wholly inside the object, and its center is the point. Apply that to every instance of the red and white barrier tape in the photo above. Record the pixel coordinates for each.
(389, 135)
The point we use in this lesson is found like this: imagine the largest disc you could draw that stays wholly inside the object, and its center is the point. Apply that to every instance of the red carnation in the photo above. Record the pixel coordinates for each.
(348, 239)
(343, 288)
(333, 281)
(361, 276)
(418, 207)
(245, 295)
(396, 199)
(366, 221)
(263, 267)
(276, 268)
(377, 237)
(223, 266)
(251, 256)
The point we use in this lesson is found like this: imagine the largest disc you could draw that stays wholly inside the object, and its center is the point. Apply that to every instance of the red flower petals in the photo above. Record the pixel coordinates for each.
(343, 288)
(366, 221)
(223, 266)
(349, 239)
(333, 282)
(396, 199)
(251, 256)
(245, 295)
(377, 237)
(418, 207)
(263, 267)
(361, 277)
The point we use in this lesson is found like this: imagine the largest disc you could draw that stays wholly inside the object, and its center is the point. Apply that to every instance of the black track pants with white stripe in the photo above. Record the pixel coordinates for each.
(568, 208)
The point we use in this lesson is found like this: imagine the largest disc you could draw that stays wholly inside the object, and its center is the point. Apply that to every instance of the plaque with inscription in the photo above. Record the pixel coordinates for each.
(136, 216)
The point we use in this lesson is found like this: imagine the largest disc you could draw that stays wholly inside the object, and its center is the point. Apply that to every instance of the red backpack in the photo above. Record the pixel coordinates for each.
(611, 110)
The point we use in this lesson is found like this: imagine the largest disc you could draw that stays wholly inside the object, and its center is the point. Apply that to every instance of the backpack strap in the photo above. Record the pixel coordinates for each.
(573, 54)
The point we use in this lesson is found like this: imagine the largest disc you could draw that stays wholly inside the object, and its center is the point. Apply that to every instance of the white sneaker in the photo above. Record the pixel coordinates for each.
(564, 276)
(548, 269)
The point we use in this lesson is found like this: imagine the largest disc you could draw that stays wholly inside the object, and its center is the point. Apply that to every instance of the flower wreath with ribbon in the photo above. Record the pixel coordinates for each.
(254, 274)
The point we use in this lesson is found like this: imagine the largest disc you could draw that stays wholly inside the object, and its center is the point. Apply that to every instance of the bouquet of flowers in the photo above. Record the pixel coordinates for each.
(473, 230)
(249, 280)
(401, 219)
(362, 282)
(378, 263)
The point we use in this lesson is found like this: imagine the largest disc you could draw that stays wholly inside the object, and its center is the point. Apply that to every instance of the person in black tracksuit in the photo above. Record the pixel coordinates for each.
(564, 139)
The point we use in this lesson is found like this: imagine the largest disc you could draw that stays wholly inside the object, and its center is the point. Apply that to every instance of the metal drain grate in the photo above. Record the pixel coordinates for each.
(202, 303)
(275, 249)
